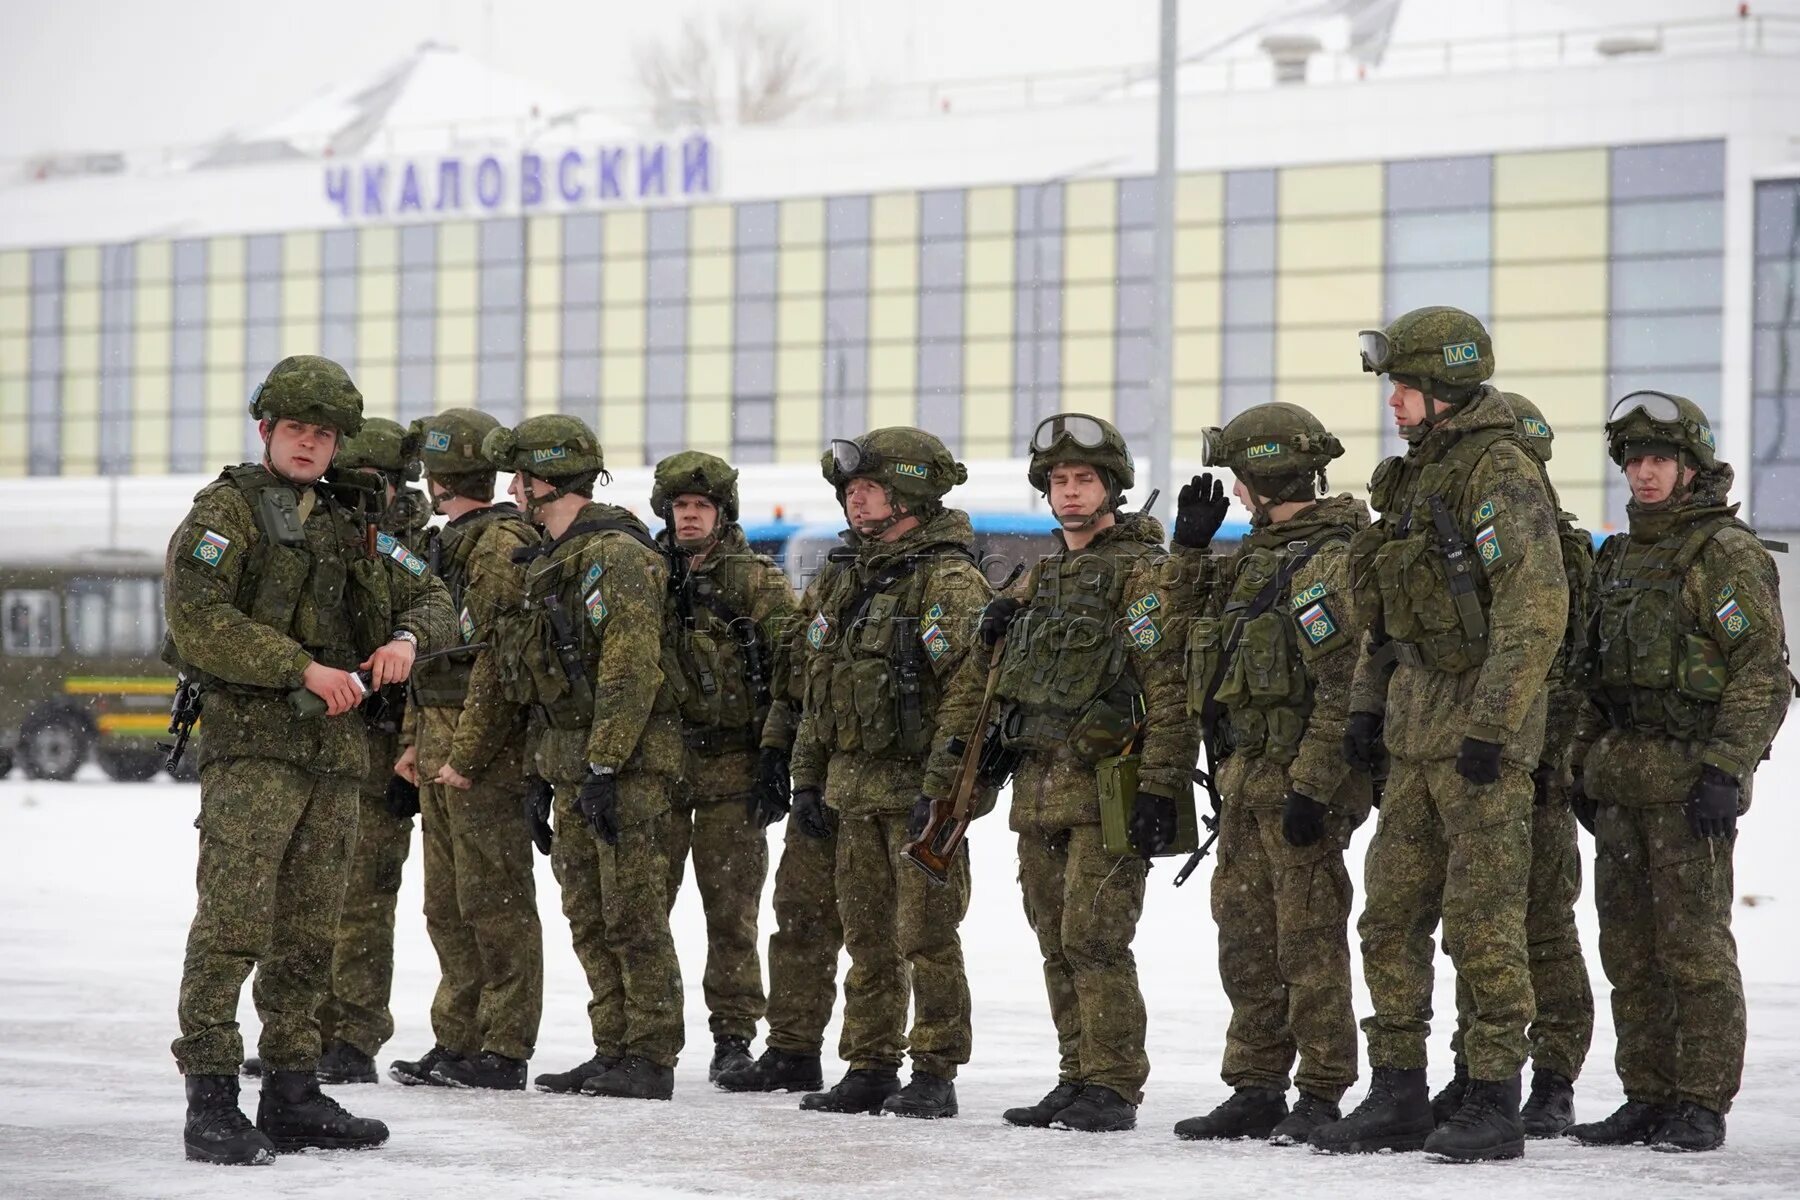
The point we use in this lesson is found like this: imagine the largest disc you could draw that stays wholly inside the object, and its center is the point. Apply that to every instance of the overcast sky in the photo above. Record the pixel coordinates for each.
(119, 74)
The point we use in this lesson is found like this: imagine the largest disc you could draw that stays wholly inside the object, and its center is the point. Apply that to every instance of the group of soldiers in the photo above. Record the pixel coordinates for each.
(550, 672)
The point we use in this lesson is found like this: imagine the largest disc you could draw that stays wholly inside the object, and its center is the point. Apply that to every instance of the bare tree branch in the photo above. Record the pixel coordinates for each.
(765, 64)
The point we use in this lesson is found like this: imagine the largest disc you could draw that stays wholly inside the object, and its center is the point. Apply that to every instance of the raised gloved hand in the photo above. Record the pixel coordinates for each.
(1152, 827)
(816, 820)
(772, 792)
(598, 801)
(1302, 820)
(402, 798)
(997, 617)
(1200, 509)
(919, 818)
(1362, 742)
(1478, 761)
(1581, 804)
(1712, 805)
(538, 797)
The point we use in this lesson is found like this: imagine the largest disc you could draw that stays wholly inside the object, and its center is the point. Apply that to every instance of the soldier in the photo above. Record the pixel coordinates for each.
(728, 608)
(896, 613)
(1275, 637)
(1460, 583)
(1087, 673)
(1688, 678)
(803, 950)
(586, 649)
(480, 897)
(1564, 1025)
(276, 598)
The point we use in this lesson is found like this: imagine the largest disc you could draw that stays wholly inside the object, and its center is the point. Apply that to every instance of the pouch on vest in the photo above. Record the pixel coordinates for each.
(1116, 779)
(1704, 669)
(1203, 647)
(1365, 585)
(373, 611)
(1102, 730)
(278, 588)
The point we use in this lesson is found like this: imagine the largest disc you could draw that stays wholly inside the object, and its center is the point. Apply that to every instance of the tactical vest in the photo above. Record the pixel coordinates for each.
(722, 666)
(319, 582)
(1578, 570)
(444, 682)
(1402, 566)
(1651, 664)
(1065, 676)
(867, 676)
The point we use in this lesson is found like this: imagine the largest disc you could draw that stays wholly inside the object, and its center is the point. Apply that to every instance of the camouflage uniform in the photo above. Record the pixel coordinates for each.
(875, 677)
(1688, 677)
(605, 578)
(247, 613)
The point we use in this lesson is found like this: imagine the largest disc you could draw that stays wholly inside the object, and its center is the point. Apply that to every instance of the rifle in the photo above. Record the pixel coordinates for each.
(184, 714)
(936, 845)
(1212, 835)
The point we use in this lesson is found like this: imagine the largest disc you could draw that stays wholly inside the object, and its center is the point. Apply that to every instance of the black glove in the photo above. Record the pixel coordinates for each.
(772, 793)
(1712, 805)
(598, 801)
(919, 819)
(1302, 820)
(997, 617)
(814, 819)
(1581, 804)
(1542, 780)
(1199, 511)
(538, 796)
(1478, 761)
(1152, 823)
(402, 798)
(1362, 742)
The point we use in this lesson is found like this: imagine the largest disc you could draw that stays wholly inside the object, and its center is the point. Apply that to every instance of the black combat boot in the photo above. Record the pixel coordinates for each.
(1450, 1097)
(1690, 1128)
(1310, 1112)
(775, 1071)
(859, 1091)
(729, 1053)
(1249, 1112)
(417, 1072)
(1485, 1128)
(1550, 1108)
(633, 1077)
(217, 1131)
(1041, 1114)
(252, 1067)
(343, 1063)
(1395, 1115)
(495, 1072)
(298, 1116)
(927, 1097)
(1634, 1123)
(1098, 1109)
(569, 1082)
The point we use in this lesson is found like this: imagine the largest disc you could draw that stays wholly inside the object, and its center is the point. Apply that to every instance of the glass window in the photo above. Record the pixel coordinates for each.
(417, 382)
(189, 260)
(1249, 247)
(502, 240)
(580, 330)
(1137, 253)
(337, 298)
(667, 325)
(668, 278)
(1135, 301)
(1040, 207)
(1777, 216)
(1467, 288)
(337, 339)
(941, 215)
(1137, 203)
(418, 337)
(581, 285)
(1668, 227)
(499, 380)
(1436, 239)
(118, 618)
(502, 332)
(1235, 397)
(941, 265)
(1133, 358)
(940, 317)
(1437, 183)
(581, 236)
(580, 378)
(847, 219)
(756, 273)
(31, 623)
(262, 255)
(757, 224)
(940, 370)
(418, 246)
(753, 371)
(337, 251)
(1667, 284)
(847, 268)
(1249, 195)
(1676, 169)
(1674, 341)
(190, 308)
(1249, 301)
(1248, 354)
(668, 231)
(753, 325)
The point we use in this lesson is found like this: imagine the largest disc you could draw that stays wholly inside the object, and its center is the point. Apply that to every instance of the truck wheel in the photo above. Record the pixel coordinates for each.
(128, 765)
(54, 746)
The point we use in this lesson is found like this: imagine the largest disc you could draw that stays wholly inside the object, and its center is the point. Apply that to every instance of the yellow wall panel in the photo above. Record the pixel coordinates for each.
(301, 298)
(990, 210)
(1560, 344)
(1550, 288)
(81, 352)
(543, 384)
(797, 373)
(153, 307)
(457, 290)
(15, 314)
(454, 382)
(800, 321)
(710, 229)
(1196, 358)
(624, 233)
(226, 419)
(13, 396)
(543, 283)
(710, 277)
(155, 262)
(1550, 177)
(1332, 245)
(377, 339)
(709, 424)
(543, 240)
(621, 331)
(224, 345)
(986, 366)
(1090, 256)
(1565, 231)
(894, 216)
(150, 352)
(15, 355)
(893, 317)
(458, 245)
(622, 421)
(708, 376)
(1345, 188)
(893, 266)
(1087, 361)
(378, 248)
(299, 337)
(458, 335)
(709, 326)
(1318, 353)
(802, 223)
(798, 416)
(1345, 301)
(224, 258)
(988, 313)
(15, 270)
(1091, 204)
(81, 267)
(1200, 197)
(300, 253)
(1198, 304)
(377, 295)
(988, 262)
(1090, 308)
(893, 380)
(80, 424)
(1197, 406)
(150, 423)
(800, 273)
(81, 310)
(1199, 254)
(622, 380)
(622, 282)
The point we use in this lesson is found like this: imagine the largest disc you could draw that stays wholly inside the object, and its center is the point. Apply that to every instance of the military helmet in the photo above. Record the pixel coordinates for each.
(382, 445)
(694, 472)
(1660, 423)
(305, 387)
(1079, 438)
(911, 463)
(450, 442)
(1281, 446)
(1441, 351)
(550, 447)
(1531, 424)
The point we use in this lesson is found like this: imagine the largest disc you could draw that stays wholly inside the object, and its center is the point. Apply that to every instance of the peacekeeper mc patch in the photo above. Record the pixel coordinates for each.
(592, 577)
(1316, 623)
(1732, 619)
(911, 470)
(1307, 596)
(936, 644)
(1143, 605)
(1487, 544)
(211, 547)
(388, 545)
(934, 613)
(1485, 512)
(437, 441)
(466, 624)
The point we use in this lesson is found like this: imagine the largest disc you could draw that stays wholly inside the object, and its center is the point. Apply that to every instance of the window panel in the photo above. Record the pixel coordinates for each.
(1668, 227)
(33, 629)
(1676, 169)
(757, 225)
(1646, 341)
(1440, 183)
(1249, 247)
(1662, 284)
(1249, 194)
(1436, 239)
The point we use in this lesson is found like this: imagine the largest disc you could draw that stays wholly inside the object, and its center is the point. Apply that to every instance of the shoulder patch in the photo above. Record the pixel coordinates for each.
(1732, 619)
(1144, 632)
(935, 613)
(466, 624)
(400, 554)
(1487, 544)
(1143, 605)
(1725, 593)
(596, 608)
(1485, 512)
(936, 644)
(817, 632)
(211, 547)
(593, 576)
(384, 543)
(1307, 595)
(1316, 623)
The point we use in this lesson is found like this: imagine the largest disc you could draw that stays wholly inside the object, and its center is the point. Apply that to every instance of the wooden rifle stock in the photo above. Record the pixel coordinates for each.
(935, 848)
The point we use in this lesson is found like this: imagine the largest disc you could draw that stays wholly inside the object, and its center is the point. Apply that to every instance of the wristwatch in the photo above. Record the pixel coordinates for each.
(406, 635)
(596, 769)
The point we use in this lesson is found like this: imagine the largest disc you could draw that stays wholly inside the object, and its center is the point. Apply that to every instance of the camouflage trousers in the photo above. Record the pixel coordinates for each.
(480, 901)
(1283, 914)
(901, 931)
(1664, 898)
(362, 960)
(1446, 849)
(616, 901)
(1084, 905)
(275, 843)
(731, 863)
(1563, 1028)
(803, 950)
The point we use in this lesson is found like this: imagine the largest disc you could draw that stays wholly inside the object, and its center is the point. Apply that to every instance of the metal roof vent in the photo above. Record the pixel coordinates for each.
(1625, 44)
(1289, 52)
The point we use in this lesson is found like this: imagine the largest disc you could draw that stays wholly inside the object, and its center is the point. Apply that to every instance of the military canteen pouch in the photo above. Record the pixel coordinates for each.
(1117, 779)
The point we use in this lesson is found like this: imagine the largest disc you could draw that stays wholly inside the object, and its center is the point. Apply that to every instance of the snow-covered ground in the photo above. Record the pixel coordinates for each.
(97, 890)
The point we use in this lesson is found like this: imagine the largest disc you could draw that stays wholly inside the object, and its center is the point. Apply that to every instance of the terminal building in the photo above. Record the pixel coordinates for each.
(1621, 206)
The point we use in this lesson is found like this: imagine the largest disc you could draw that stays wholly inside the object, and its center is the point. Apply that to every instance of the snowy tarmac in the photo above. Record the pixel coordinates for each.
(98, 890)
